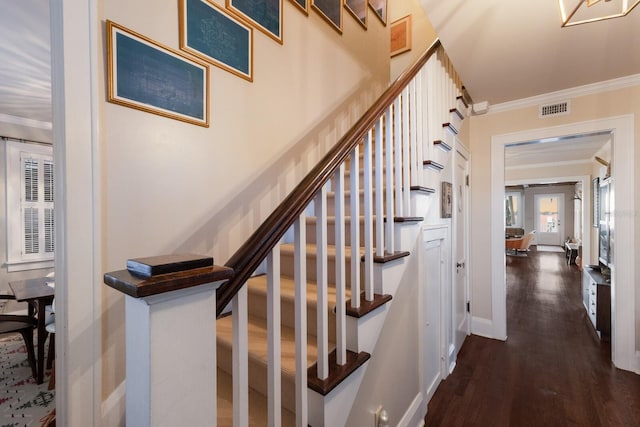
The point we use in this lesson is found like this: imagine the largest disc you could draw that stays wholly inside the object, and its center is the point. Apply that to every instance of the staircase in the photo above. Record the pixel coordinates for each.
(312, 287)
(324, 275)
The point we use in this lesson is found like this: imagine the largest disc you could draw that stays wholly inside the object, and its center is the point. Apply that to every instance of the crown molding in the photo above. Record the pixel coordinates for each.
(590, 89)
(21, 121)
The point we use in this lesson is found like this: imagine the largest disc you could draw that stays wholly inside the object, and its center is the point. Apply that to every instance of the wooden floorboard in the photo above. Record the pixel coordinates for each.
(551, 371)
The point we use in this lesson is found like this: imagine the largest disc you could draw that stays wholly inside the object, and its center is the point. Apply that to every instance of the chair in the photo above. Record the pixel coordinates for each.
(11, 323)
(520, 244)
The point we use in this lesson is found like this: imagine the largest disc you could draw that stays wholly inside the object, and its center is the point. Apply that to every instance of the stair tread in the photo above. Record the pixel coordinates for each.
(288, 286)
(257, 340)
(312, 249)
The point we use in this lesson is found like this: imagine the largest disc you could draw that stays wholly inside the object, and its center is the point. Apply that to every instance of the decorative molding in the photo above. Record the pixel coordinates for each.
(22, 121)
(590, 89)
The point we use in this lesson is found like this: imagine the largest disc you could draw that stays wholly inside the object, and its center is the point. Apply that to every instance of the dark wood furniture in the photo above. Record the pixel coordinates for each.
(37, 294)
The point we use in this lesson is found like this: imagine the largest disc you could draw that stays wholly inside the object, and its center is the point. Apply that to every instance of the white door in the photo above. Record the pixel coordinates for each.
(433, 274)
(549, 218)
(460, 297)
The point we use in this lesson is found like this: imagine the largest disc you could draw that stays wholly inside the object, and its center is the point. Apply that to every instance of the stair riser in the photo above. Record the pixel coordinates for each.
(331, 232)
(286, 268)
(331, 203)
(258, 308)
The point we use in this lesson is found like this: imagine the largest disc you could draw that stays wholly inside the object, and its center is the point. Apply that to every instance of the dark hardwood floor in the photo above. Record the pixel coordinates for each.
(551, 371)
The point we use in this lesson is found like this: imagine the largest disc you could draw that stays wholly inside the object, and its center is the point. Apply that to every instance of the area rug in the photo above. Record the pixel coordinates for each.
(547, 248)
(22, 401)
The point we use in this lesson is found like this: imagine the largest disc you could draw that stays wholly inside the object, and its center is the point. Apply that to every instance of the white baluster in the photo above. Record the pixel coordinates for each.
(274, 371)
(240, 355)
(368, 219)
(354, 187)
(379, 190)
(340, 261)
(388, 143)
(413, 129)
(406, 203)
(397, 142)
(420, 127)
(300, 278)
(322, 284)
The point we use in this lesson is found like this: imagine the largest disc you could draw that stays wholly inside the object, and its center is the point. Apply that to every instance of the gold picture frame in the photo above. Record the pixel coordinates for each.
(148, 76)
(400, 32)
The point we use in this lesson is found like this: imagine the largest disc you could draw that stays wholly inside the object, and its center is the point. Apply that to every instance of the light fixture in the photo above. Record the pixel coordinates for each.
(576, 12)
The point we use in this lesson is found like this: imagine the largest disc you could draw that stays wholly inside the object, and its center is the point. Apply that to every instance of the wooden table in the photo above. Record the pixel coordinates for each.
(37, 294)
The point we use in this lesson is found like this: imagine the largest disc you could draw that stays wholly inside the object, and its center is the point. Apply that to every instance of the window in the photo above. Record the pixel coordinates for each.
(513, 209)
(30, 215)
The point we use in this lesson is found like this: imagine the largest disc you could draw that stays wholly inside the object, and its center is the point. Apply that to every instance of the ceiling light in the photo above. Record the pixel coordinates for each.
(576, 12)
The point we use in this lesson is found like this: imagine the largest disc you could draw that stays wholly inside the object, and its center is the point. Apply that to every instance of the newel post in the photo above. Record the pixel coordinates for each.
(170, 311)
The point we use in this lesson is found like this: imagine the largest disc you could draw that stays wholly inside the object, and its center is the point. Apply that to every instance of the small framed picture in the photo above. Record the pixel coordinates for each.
(210, 33)
(302, 5)
(331, 11)
(265, 15)
(446, 202)
(148, 76)
(400, 36)
(379, 9)
(357, 9)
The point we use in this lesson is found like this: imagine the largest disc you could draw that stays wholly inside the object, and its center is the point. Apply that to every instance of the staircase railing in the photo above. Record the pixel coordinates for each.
(255, 250)
(388, 141)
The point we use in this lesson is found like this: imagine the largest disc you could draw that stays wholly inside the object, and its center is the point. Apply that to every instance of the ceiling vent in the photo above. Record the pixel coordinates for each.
(556, 109)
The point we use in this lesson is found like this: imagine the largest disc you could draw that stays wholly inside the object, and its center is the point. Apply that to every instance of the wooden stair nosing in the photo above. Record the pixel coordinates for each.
(433, 165)
(337, 373)
(408, 219)
(464, 101)
(388, 257)
(367, 307)
(422, 189)
(456, 111)
(451, 127)
(442, 145)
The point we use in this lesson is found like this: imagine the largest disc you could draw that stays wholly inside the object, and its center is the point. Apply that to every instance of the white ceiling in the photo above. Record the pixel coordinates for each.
(512, 49)
(25, 71)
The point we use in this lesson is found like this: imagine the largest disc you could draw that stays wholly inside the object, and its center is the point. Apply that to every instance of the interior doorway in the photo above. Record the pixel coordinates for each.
(621, 130)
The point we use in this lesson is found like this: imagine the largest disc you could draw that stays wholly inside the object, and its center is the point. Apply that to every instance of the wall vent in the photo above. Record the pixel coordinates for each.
(556, 109)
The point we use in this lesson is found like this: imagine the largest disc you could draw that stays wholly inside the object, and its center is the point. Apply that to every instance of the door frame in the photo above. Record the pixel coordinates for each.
(561, 216)
(465, 153)
(623, 334)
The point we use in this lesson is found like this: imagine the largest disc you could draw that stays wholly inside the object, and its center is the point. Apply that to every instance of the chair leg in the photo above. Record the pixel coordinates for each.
(52, 350)
(27, 334)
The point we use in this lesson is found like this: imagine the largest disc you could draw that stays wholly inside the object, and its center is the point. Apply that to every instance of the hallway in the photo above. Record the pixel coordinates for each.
(551, 371)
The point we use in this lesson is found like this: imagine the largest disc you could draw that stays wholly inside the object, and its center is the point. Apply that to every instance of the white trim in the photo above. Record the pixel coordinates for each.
(623, 335)
(75, 52)
(562, 95)
(113, 407)
(482, 327)
(637, 370)
(409, 417)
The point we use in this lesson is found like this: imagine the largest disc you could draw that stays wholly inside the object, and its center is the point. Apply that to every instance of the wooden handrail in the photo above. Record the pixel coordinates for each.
(249, 256)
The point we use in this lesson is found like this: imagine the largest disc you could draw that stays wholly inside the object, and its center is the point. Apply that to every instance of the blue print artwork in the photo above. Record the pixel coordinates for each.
(150, 76)
(264, 12)
(218, 37)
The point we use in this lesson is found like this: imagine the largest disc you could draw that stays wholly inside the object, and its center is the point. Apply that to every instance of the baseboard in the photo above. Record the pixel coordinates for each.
(482, 327)
(638, 362)
(415, 413)
(113, 407)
